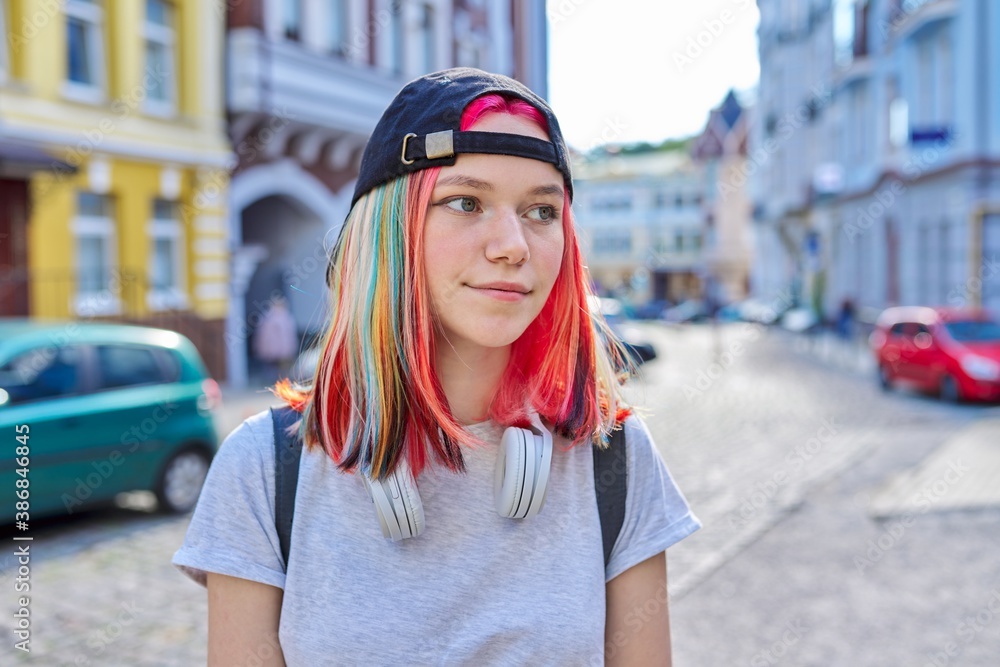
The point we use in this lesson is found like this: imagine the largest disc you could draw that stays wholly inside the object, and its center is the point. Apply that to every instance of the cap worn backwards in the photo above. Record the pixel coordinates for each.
(420, 128)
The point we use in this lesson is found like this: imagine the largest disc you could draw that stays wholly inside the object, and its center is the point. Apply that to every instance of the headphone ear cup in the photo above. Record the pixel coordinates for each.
(542, 461)
(410, 498)
(397, 503)
(509, 472)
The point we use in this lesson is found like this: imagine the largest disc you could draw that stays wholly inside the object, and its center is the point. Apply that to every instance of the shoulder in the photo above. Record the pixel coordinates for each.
(249, 447)
(638, 439)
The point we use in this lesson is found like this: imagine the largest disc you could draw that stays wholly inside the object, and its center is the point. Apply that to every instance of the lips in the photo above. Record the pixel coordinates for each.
(504, 287)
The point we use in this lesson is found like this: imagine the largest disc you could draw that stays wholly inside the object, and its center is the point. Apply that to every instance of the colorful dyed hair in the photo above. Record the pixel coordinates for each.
(376, 395)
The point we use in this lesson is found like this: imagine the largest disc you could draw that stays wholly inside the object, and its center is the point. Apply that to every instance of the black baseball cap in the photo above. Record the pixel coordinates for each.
(420, 128)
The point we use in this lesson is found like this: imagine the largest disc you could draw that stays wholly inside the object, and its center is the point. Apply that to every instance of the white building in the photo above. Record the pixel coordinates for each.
(879, 144)
(640, 218)
(721, 149)
(307, 81)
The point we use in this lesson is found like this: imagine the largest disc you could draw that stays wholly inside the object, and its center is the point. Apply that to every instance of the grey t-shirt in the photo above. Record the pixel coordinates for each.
(475, 588)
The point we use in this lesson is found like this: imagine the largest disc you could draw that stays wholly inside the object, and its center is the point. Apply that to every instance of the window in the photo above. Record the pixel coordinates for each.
(612, 242)
(925, 83)
(45, 372)
(84, 51)
(338, 22)
(291, 18)
(843, 31)
(166, 270)
(96, 255)
(127, 366)
(946, 78)
(428, 37)
(160, 37)
(396, 43)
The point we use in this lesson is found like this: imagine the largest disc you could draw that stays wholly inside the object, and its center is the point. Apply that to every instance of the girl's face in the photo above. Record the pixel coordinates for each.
(493, 241)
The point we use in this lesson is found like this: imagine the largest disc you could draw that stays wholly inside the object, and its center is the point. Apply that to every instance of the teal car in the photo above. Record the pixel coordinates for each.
(90, 410)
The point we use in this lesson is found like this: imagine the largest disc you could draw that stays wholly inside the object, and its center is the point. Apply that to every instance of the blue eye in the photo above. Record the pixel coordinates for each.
(544, 213)
(464, 204)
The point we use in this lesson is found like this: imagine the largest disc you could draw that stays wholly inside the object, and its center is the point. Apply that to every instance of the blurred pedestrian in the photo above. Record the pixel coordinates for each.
(460, 348)
(845, 319)
(276, 338)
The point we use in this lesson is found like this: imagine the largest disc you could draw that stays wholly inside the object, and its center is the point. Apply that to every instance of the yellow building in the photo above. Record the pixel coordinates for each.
(114, 164)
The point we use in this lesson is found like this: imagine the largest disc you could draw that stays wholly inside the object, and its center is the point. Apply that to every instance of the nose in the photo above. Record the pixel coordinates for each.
(507, 242)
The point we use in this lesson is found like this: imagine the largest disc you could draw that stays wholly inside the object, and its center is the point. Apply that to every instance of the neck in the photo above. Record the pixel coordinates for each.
(469, 376)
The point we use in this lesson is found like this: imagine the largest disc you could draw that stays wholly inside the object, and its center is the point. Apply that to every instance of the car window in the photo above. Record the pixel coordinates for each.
(974, 331)
(45, 372)
(898, 329)
(127, 366)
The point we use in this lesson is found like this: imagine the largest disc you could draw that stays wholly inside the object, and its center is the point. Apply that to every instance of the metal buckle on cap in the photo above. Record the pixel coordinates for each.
(439, 144)
(402, 155)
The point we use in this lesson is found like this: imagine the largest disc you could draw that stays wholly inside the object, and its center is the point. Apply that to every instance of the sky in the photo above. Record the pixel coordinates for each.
(646, 70)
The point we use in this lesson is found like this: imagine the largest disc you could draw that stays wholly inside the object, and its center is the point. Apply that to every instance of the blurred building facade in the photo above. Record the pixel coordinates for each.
(307, 80)
(721, 150)
(114, 165)
(877, 143)
(640, 222)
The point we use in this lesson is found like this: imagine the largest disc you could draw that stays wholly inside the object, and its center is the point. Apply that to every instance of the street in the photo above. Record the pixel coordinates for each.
(792, 460)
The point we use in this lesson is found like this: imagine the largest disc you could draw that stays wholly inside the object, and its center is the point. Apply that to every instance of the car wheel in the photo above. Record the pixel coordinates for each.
(949, 390)
(181, 481)
(884, 380)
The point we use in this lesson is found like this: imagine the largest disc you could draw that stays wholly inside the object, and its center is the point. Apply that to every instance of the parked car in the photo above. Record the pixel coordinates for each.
(692, 310)
(652, 310)
(953, 352)
(98, 409)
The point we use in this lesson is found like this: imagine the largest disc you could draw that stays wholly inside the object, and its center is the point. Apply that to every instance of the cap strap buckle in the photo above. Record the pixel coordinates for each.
(439, 144)
(402, 155)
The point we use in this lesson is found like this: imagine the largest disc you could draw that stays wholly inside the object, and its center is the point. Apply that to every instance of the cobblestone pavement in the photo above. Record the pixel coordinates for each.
(778, 452)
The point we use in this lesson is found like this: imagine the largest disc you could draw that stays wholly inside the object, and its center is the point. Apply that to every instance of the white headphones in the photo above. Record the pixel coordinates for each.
(520, 483)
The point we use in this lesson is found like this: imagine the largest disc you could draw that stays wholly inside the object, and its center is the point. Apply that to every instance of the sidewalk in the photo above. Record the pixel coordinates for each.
(963, 474)
(852, 355)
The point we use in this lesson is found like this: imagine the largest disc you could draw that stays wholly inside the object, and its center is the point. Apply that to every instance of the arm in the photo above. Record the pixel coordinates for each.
(243, 620)
(637, 626)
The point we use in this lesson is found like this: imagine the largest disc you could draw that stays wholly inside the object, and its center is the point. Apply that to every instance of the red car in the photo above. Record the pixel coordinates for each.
(952, 351)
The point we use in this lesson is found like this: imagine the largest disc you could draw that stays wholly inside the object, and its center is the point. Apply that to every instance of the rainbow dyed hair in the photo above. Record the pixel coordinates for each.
(376, 396)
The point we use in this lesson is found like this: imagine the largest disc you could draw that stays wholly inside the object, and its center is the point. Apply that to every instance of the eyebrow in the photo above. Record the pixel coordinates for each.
(467, 181)
(475, 183)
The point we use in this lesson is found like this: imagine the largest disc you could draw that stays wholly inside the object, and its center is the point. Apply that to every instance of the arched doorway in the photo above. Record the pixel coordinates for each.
(282, 222)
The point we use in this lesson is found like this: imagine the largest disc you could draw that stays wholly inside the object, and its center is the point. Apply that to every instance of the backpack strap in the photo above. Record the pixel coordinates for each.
(610, 482)
(611, 485)
(287, 452)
